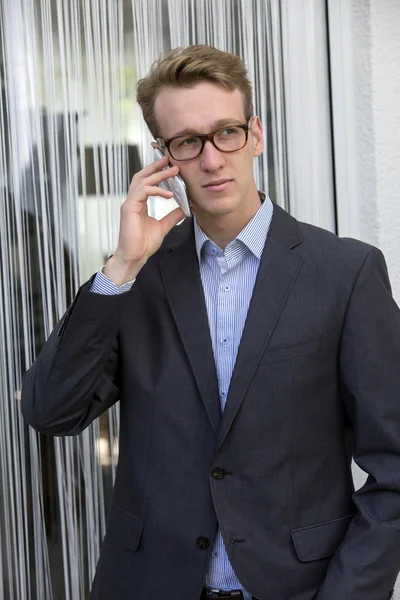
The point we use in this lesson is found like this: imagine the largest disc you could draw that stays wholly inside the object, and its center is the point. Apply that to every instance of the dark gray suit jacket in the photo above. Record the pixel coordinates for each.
(316, 381)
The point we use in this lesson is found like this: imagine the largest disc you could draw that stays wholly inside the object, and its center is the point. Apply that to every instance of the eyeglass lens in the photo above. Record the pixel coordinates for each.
(226, 140)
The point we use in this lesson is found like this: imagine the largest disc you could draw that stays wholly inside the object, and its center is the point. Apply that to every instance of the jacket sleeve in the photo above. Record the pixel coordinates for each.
(75, 377)
(367, 562)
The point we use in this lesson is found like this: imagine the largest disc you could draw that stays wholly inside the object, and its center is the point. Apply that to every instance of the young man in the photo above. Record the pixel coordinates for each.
(253, 357)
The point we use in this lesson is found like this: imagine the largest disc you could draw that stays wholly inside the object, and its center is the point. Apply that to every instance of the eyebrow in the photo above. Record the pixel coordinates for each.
(215, 125)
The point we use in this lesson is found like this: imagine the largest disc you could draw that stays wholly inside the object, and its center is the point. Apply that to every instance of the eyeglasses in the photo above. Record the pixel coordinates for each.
(226, 139)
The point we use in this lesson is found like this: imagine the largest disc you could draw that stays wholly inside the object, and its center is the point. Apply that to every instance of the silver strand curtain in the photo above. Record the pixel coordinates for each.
(71, 137)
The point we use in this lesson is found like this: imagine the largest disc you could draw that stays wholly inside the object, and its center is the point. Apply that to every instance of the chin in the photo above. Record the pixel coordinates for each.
(213, 212)
(215, 206)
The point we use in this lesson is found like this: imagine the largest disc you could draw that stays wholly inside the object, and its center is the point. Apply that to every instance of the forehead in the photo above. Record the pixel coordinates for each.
(196, 108)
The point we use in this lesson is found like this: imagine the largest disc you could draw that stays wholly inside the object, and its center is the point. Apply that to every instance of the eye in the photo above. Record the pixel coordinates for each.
(229, 131)
(188, 141)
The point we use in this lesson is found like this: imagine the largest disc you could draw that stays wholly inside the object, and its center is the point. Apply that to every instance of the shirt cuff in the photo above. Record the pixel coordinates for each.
(103, 285)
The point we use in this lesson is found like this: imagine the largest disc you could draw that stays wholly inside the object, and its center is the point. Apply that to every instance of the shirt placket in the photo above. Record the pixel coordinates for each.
(225, 334)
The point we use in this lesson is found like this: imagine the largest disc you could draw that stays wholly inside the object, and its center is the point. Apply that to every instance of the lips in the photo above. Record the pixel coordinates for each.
(218, 185)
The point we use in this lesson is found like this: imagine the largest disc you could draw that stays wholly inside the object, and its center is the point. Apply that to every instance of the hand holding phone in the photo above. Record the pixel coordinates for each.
(177, 186)
(141, 235)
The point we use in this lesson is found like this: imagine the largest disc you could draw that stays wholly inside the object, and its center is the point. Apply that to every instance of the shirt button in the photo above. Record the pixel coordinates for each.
(218, 473)
(227, 288)
(224, 341)
(223, 394)
(202, 543)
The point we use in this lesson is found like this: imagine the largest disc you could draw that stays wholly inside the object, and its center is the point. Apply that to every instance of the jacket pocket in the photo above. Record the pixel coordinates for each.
(297, 350)
(321, 540)
(124, 528)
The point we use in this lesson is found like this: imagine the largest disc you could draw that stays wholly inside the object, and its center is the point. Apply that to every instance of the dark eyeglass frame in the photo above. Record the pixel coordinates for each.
(205, 137)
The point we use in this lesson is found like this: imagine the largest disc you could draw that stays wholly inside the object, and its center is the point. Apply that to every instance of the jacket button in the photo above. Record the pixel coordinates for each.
(218, 473)
(202, 543)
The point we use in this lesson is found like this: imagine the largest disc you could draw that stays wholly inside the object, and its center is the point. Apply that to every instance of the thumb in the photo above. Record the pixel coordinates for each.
(171, 219)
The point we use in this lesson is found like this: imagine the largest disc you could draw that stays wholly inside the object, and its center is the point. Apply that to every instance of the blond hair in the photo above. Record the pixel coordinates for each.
(188, 66)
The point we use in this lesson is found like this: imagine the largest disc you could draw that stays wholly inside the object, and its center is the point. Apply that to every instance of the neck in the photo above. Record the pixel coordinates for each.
(223, 229)
(223, 235)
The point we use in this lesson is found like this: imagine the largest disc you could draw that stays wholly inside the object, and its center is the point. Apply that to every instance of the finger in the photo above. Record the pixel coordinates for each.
(154, 167)
(153, 190)
(172, 219)
(134, 200)
(157, 178)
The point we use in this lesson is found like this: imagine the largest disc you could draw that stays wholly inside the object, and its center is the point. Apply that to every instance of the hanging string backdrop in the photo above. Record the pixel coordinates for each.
(71, 137)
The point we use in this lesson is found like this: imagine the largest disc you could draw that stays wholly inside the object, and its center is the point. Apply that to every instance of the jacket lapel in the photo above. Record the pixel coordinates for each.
(277, 272)
(181, 277)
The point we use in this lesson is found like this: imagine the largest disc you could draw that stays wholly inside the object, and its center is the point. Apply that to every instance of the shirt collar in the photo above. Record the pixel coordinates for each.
(253, 235)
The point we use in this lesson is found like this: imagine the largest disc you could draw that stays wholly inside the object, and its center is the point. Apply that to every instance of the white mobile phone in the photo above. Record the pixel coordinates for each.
(177, 186)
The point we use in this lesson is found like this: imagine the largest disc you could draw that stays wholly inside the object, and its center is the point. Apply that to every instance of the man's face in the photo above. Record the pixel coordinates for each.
(202, 109)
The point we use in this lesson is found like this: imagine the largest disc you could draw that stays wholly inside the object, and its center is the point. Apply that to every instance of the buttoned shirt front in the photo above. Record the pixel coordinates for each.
(228, 277)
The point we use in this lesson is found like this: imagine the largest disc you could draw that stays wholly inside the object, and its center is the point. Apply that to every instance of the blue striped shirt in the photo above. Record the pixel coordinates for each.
(228, 277)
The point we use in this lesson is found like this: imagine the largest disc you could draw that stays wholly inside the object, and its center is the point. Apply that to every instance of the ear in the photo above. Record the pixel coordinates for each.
(258, 137)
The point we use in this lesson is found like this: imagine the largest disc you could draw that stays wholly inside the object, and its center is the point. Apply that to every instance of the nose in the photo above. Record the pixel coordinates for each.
(211, 158)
